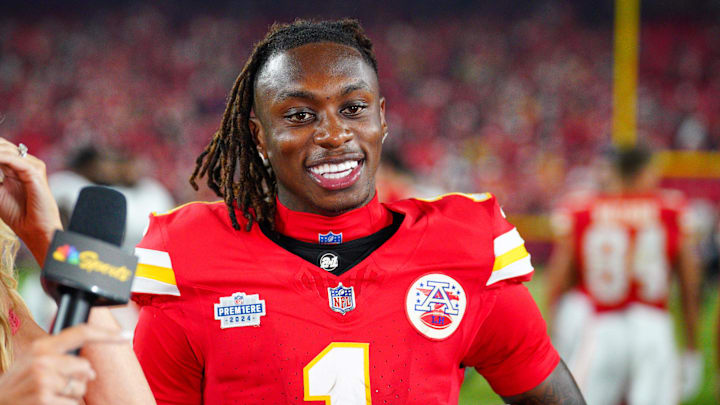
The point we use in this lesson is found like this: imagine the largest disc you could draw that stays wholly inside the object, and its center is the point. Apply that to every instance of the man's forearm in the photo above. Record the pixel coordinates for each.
(558, 389)
(689, 278)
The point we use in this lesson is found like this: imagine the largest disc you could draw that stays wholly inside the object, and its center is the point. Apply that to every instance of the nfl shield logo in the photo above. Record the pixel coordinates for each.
(342, 299)
(330, 238)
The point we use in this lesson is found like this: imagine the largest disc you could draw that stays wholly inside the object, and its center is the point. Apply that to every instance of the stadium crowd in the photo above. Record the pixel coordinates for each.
(535, 97)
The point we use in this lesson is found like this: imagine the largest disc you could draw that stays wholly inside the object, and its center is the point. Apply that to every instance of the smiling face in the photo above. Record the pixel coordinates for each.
(319, 120)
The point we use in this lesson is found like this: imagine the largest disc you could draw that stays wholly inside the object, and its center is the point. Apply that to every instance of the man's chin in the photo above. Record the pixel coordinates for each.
(342, 203)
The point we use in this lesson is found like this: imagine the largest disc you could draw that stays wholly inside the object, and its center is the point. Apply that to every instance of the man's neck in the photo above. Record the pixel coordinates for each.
(315, 228)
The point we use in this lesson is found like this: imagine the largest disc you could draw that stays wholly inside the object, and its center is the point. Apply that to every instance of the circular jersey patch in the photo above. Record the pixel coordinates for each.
(435, 305)
(329, 261)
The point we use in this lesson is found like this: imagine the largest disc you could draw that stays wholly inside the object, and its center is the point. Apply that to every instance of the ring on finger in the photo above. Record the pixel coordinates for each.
(22, 150)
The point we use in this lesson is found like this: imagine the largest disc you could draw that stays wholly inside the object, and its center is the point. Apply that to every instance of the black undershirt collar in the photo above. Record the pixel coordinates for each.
(336, 259)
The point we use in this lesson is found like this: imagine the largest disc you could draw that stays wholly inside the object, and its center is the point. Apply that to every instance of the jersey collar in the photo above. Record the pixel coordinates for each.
(316, 228)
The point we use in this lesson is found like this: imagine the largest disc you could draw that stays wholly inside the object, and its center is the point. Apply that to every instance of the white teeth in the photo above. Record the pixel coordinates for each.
(333, 170)
(336, 175)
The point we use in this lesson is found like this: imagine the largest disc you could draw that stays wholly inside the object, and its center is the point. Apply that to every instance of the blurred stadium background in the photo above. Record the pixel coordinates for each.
(515, 98)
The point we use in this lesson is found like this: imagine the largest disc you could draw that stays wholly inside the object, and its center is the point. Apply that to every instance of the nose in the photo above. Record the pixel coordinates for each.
(332, 133)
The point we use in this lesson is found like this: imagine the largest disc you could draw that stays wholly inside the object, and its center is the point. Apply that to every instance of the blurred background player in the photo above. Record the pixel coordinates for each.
(86, 166)
(123, 171)
(617, 252)
(144, 195)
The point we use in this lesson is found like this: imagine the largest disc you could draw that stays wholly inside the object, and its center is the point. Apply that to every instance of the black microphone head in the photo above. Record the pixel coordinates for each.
(100, 213)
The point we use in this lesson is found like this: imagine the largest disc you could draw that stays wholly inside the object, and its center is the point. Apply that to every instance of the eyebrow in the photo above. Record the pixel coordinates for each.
(302, 94)
(361, 85)
(282, 96)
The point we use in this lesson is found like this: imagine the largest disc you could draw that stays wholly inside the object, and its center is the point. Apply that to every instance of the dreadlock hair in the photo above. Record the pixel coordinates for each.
(232, 149)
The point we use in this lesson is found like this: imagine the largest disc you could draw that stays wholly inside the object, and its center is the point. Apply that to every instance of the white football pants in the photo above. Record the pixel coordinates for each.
(618, 355)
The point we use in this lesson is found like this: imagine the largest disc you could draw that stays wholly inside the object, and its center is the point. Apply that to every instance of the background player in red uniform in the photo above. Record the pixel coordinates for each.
(618, 250)
(310, 289)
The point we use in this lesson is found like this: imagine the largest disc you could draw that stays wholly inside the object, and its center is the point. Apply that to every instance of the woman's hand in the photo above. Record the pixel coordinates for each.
(46, 374)
(26, 204)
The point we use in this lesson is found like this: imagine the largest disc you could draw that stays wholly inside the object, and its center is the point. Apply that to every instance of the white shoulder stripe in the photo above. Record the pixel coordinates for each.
(153, 257)
(515, 269)
(507, 242)
(144, 285)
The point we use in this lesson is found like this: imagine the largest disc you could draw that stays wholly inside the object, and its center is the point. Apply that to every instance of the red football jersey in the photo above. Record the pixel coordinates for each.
(625, 245)
(229, 317)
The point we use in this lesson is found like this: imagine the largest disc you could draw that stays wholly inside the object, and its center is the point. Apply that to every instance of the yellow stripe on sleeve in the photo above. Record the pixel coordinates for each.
(507, 242)
(162, 274)
(154, 273)
(518, 268)
(510, 257)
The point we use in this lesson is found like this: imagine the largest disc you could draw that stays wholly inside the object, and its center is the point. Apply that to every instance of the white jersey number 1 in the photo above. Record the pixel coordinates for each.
(339, 375)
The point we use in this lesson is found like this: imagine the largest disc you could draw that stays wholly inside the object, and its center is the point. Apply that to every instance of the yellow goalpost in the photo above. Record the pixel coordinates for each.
(677, 164)
(625, 72)
(674, 164)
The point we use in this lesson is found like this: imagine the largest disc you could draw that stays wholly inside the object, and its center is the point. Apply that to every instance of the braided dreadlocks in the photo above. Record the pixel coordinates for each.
(234, 169)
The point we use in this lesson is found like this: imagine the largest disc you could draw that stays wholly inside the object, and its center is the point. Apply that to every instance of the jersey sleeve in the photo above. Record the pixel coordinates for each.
(564, 215)
(512, 349)
(154, 274)
(170, 364)
(512, 260)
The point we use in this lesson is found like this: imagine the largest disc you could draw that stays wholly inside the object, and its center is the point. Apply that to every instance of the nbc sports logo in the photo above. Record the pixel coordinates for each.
(66, 253)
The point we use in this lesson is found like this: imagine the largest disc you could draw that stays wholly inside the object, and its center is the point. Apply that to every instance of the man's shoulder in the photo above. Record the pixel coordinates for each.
(466, 229)
(451, 205)
(186, 228)
(192, 214)
(672, 199)
(663, 199)
(179, 243)
(577, 201)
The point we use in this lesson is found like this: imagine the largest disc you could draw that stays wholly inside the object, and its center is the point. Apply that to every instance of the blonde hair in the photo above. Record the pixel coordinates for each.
(9, 245)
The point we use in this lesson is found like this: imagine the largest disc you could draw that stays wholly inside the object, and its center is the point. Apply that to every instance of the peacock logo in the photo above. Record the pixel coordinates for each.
(66, 253)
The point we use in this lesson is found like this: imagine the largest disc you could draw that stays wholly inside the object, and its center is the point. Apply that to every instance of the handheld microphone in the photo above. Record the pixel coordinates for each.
(85, 266)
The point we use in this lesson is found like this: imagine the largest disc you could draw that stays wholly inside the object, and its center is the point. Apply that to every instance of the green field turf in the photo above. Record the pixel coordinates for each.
(476, 390)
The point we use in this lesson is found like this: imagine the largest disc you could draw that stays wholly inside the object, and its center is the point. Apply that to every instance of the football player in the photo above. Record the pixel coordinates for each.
(300, 286)
(616, 252)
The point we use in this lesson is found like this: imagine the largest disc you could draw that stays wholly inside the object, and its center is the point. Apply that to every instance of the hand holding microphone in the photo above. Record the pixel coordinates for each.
(75, 278)
(85, 265)
(44, 371)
